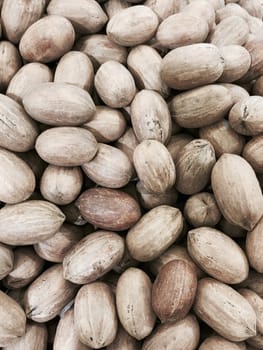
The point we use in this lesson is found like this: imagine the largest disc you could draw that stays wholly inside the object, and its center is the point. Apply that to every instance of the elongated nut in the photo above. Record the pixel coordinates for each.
(161, 338)
(218, 255)
(55, 248)
(238, 194)
(177, 143)
(132, 26)
(159, 176)
(201, 210)
(47, 39)
(257, 304)
(93, 257)
(95, 315)
(27, 266)
(174, 290)
(194, 166)
(10, 61)
(12, 320)
(154, 232)
(150, 117)
(66, 334)
(109, 168)
(192, 109)
(236, 321)
(134, 304)
(109, 209)
(59, 104)
(48, 294)
(127, 143)
(87, 17)
(144, 63)
(122, 90)
(66, 146)
(29, 222)
(61, 185)
(191, 66)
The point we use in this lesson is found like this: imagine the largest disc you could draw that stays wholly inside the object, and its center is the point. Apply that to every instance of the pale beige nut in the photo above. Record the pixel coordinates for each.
(66, 146)
(75, 68)
(6, 260)
(150, 117)
(236, 321)
(95, 315)
(27, 266)
(93, 257)
(194, 166)
(254, 247)
(61, 185)
(174, 290)
(47, 39)
(55, 248)
(201, 210)
(218, 255)
(232, 30)
(12, 320)
(29, 222)
(144, 62)
(134, 304)
(253, 282)
(18, 132)
(154, 232)
(86, 16)
(59, 104)
(215, 342)
(237, 61)
(191, 66)
(109, 168)
(18, 16)
(99, 124)
(109, 209)
(66, 335)
(223, 138)
(35, 338)
(257, 304)
(18, 180)
(150, 200)
(237, 193)
(193, 108)
(255, 48)
(173, 334)
(181, 29)
(101, 49)
(253, 153)
(122, 89)
(26, 78)
(159, 175)
(48, 294)
(10, 62)
(132, 26)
